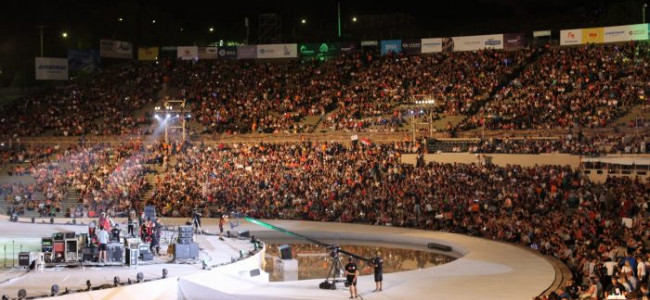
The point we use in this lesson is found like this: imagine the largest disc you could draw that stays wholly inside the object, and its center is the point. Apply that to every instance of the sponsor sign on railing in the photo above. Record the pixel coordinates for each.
(478, 42)
(187, 52)
(599, 35)
(431, 45)
(115, 49)
(246, 52)
(83, 60)
(412, 46)
(148, 53)
(388, 46)
(570, 37)
(593, 35)
(626, 33)
(49, 68)
(208, 53)
(513, 40)
(277, 51)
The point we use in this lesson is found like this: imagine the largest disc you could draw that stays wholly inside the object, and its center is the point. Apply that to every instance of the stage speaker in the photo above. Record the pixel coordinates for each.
(439, 247)
(132, 257)
(186, 251)
(245, 234)
(150, 213)
(285, 251)
(185, 231)
(184, 240)
(88, 254)
(255, 272)
(25, 259)
(115, 252)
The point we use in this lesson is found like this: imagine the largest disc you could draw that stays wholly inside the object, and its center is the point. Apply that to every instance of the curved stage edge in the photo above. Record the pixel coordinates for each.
(484, 269)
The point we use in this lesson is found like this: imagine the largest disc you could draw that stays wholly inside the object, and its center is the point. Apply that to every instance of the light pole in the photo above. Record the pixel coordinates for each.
(645, 5)
(41, 30)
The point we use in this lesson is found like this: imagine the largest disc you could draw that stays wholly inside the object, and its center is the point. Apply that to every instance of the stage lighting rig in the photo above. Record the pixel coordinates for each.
(172, 115)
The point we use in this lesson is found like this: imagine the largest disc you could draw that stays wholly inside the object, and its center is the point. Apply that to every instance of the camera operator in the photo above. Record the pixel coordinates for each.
(378, 263)
(352, 272)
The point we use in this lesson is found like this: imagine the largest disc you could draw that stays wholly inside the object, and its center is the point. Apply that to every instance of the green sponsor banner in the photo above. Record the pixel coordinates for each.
(319, 50)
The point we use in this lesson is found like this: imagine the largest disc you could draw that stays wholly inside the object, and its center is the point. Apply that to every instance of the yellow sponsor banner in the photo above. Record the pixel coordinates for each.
(147, 53)
(593, 35)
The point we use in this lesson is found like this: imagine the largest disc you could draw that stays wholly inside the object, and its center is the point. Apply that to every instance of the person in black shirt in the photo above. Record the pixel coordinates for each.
(351, 272)
(378, 263)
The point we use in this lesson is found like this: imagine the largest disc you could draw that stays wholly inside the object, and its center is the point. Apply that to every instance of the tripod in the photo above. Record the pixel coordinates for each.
(335, 271)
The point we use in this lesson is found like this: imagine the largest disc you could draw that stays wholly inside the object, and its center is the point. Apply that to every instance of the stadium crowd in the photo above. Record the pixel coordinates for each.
(536, 88)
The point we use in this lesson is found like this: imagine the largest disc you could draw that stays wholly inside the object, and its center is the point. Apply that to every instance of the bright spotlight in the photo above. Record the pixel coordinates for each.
(168, 115)
(157, 117)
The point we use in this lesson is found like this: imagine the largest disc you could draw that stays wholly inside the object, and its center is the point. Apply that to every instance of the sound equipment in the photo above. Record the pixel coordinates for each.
(285, 251)
(59, 250)
(57, 236)
(115, 252)
(184, 240)
(147, 256)
(439, 247)
(145, 252)
(186, 251)
(46, 244)
(88, 254)
(245, 234)
(185, 231)
(132, 257)
(255, 272)
(69, 235)
(150, 213)
(25, 259)
(71, 249)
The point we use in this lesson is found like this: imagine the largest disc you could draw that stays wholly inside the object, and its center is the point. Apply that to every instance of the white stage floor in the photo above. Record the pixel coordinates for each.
(484, 269)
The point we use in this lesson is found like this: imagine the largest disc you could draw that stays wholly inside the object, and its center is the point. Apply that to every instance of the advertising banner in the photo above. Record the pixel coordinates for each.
(478, 42)
(49, 68)
(369, 43)
(277, 51)
(208, 53)
(246, 52)
(227, 52)
(412, 46)
(148, 53)
(187, 52)
(431, 45)
(593, 35)
(83, 60)
(541, 33)
(388, 46)
(116, 49)
(570, 37)
(320, 50)
(348, 47)
(513, 40)
(626, 33)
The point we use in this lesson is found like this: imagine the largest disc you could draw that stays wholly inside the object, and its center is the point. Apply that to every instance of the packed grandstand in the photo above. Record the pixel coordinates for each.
(325, 141)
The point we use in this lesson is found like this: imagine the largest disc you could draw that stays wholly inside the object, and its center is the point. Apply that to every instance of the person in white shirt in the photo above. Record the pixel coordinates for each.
(102, 239)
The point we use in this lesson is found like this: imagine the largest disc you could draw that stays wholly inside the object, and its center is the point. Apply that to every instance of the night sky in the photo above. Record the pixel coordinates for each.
(88, 21)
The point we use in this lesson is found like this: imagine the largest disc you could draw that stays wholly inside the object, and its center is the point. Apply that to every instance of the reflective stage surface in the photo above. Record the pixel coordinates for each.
(310, 261)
